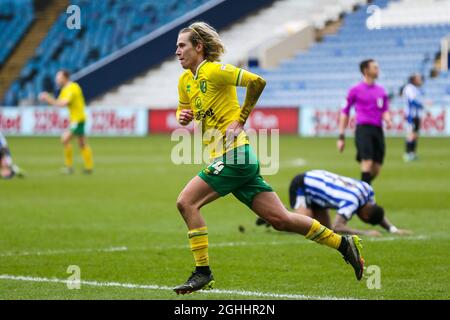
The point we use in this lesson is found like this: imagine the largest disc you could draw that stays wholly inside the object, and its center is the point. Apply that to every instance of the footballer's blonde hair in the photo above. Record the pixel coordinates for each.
(201, 32)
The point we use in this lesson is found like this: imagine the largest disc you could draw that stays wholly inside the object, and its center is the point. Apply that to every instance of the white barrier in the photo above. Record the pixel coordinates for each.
(128, 121)
(324, 122)
(50, 121)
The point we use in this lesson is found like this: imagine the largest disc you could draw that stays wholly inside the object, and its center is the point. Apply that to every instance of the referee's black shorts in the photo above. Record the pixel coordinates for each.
(370, 144)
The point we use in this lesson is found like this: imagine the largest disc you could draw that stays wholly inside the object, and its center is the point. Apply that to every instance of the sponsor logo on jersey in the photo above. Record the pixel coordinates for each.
(200, 115)
(203, 86)
(198, 103)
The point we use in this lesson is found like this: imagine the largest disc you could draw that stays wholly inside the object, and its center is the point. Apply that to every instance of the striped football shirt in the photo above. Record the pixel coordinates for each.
(328, 190)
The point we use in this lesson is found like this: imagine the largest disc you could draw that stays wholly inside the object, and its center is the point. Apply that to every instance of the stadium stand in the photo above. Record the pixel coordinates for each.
(416, 12)
(322, 75)
(100, 35)
(15, 18)
(157, 88)
(318, 77)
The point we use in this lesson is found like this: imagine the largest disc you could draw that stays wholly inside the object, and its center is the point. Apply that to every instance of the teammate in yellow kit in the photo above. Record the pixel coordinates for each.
(207, 93)
(71, 96)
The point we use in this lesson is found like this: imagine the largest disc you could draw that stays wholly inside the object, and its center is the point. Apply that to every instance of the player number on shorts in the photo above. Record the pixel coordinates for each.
(218, 167)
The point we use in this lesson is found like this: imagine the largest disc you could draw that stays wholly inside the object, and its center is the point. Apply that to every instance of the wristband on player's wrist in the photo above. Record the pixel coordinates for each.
(341, 136)
(393, 229)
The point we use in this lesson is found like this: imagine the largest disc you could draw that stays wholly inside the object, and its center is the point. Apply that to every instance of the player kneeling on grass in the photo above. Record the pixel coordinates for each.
(314, 192)
(72, 97)
(7, 167)
(207, 93)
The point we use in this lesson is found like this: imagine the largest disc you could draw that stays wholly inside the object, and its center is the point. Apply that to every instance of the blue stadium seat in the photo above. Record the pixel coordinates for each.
(15, 18)
(107, 26)
(322, 75)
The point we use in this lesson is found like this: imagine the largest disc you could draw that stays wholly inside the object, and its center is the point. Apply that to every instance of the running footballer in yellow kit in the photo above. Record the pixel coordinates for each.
(71, 96)
(207, 95)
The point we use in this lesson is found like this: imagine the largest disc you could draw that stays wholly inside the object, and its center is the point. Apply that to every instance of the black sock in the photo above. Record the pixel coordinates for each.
(343, 246)
(409, 146)
(203, 270)
(366, 177)
(413, 146)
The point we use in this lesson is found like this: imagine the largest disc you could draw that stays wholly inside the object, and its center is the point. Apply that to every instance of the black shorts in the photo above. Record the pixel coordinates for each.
(370, 144)
(297, 183)
(413, 125)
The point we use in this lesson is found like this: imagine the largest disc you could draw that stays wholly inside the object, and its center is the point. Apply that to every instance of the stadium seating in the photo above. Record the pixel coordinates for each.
(15, 18)
(157, 88)
(106, 27)
(318, 77)
(321, 76)
(416, 12)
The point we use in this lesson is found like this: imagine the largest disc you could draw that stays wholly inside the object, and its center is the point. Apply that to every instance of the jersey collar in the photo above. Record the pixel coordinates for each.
(198, 69)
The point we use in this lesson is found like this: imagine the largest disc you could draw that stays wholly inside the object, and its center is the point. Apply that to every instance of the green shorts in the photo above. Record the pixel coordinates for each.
(237, 172)
(77, 128)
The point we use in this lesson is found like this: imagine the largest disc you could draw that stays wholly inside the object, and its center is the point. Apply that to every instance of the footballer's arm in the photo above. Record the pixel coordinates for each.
(47, 98)
(184, 116)
(340, 226)
(386, 224)
(255, 86)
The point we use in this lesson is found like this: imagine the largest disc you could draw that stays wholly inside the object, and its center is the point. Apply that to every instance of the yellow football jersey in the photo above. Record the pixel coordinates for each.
(72, 93)
(211, 94)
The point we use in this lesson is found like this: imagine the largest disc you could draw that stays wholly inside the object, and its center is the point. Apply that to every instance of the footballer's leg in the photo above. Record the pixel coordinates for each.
(323, 216)
(269, 207)
(320, 214)
(376, 168)
(86, 153)
(5, 159)
(5, 166)
(367, 170)
(414, 144)
(195, 195)
(8, 168)
(68, 152)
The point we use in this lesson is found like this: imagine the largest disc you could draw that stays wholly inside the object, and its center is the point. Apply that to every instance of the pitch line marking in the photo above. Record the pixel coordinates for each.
(62, 251)
(242, 293)
(169, 247)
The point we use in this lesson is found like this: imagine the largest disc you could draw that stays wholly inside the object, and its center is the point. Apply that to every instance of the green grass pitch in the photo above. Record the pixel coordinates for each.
(121, 225)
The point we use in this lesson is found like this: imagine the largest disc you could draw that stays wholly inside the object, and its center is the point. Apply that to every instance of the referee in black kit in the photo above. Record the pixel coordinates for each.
(372, 107)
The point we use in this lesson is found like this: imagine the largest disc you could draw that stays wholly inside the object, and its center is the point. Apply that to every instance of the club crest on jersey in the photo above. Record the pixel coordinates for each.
(198, 103)
(203, 86)
(188, 88)
(380, 103)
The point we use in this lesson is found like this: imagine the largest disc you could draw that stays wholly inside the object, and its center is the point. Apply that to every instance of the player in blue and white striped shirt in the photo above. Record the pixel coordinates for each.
(413, 96)
(314, 192)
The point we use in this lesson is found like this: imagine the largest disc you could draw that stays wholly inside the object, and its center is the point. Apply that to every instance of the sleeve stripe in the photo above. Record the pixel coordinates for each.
(185, 103)
(239, 78)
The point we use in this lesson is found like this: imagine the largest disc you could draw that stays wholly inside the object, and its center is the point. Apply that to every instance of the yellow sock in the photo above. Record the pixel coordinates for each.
(323, 235)
(68, 155)
(198, 240)
(88, 159)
